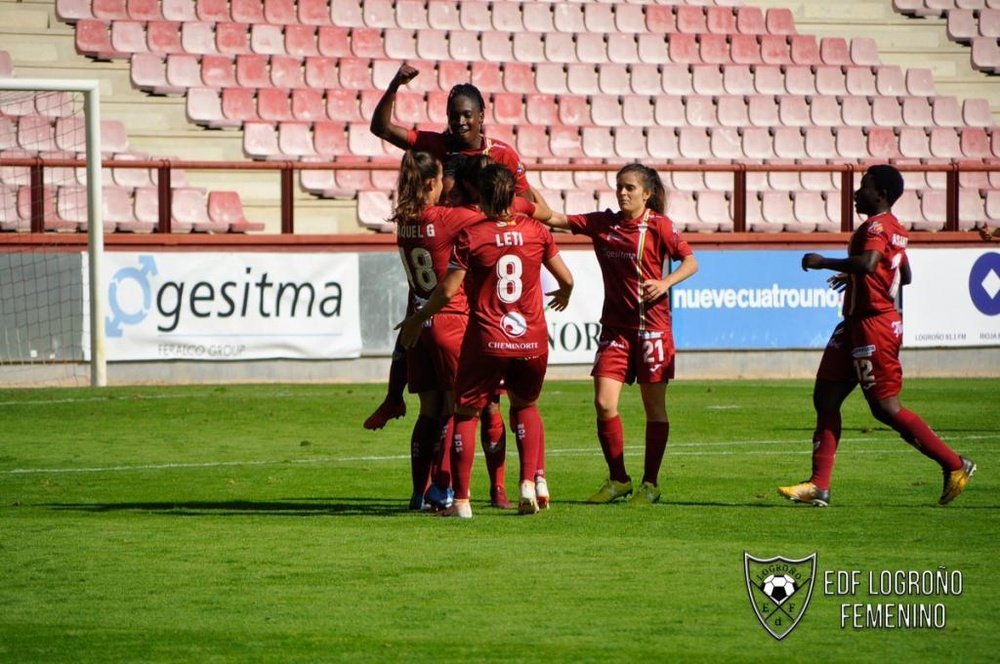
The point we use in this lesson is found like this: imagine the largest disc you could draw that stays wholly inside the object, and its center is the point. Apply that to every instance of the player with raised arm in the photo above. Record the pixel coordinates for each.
(864, 347)
(499, 260)
(633, 247)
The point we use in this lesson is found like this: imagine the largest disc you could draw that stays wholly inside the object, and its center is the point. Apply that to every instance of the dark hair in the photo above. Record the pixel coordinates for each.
(652, 183)
(496, 191)
(888, 180)
(468, 173)
(415, 170)
(469, 91)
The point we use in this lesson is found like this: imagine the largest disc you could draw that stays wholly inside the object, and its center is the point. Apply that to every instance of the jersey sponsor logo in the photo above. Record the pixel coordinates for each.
(897, 328)
(863, 351)
(513, 345)
(898, 240)
(513, 324)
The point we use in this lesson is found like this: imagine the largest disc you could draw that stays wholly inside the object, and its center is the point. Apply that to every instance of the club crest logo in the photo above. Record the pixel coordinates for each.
(513, 324)
(779, 589)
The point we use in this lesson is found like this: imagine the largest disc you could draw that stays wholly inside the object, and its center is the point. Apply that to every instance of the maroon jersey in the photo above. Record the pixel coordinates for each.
(630, 251)
(875, 293)
(503, 260)
(437, 144)
(425, 249)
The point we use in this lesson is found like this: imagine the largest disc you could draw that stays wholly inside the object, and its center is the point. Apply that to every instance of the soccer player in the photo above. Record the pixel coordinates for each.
(499, 260)
(633, 246)
(864, 347)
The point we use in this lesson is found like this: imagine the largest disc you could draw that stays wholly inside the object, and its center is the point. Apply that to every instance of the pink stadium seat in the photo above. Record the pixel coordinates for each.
(726, 143)
(551, 180)
(314, 12)
(6, 66)
(590, 48)
(295, 139)
(598, 142)
(36, 133)
(128, 37)
(283, 12)
(683, 48)
(252, 71)
(356, 74)
(532, 142)
(645, 79)
(110, 10)
(750, 20)
(856, 112)
(178, 10)
(677, 79)
(183, 71)
(93, 39)
(804, 50)
(568, 17)
(889, 80)
(573, 110)
(437, 107)
(613, 79)
(629, 18)
(886, 112)
(582, 79)
(333, 41)
(330, 139)
(977, 113)
(630, 143)
(506, 17)
(971, 209)
(515, 76)
(534, 47)
(920, 82)
(286, 72)
(682, 208)
(861, 81)
(883, 144)
(768, 80)
(793, 111)
(738, 80)
(464, 46)
(916, 112)
(777, 211)
(933, 210)
(267, 39)
(780, 21)
(362, 143)
(700, 111)
(343, 106)
(250, 12)
(914, 143)
(800, 80)
(775, 50)
(551, 78)
(946, 112)
(71, 11)
(744, 49)
(985, 54)
(993, 205)
(623, 48)
(450, 74)
(907, 208)
(662, 143)
(230, 38)
(320, 72)
(444, 16)
(606, 111)
(213, 11)
(711, 212)
(864, 51)
(367, 43)
(690, 19)
(378, 14)
(204, 107)
(834, 51)
(962, 25)
(565, 142)
(975, 143)
(707, 79)
(301, 41)
(810, 211)
(851, 143)
(831, 80)
(513, 109)
(733, 111)
(763, 110)
(824, 111)
(197, 38)
(720, 20)
(789, 143)
(653, 48)
(713, 49)
(660, 19)
(669, 111)
(239, 105)
(638, 111)
(374, 209)
(495, 46)
(149, 72)
(694, 143)
(945, 143)
(225, 211)
(537, 17)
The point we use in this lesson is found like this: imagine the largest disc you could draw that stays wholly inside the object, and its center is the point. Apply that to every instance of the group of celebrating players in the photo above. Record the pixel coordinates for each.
(473, 236)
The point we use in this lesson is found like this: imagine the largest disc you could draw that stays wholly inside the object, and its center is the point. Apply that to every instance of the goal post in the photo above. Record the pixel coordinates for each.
(90, 91)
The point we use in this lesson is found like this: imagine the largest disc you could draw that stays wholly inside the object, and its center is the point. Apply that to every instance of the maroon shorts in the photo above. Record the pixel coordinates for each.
(866, 351)
(630, 355)
(480, 375)
(433, 363)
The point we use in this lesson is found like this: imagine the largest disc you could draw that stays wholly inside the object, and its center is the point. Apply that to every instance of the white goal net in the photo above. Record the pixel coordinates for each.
(51, 234)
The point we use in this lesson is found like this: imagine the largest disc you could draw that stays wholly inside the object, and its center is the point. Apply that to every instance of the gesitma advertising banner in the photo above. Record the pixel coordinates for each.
(231, 306)
(754, 300)
(954, 298)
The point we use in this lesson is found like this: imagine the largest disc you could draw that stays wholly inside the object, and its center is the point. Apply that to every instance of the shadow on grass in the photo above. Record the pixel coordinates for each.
(285, 507)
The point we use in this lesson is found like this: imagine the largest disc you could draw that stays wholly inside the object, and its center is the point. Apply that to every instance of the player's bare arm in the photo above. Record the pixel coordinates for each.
(864, 263)
(654, 289)
(542, 210)
(382, 124)
(557, 220)
(409, 329)
(559, 270)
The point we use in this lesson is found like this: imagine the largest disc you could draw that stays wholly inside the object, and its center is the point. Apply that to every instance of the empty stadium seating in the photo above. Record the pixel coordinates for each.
(697, 82)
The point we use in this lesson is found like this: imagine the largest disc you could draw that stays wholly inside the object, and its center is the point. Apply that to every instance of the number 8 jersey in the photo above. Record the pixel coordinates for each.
(503, 261)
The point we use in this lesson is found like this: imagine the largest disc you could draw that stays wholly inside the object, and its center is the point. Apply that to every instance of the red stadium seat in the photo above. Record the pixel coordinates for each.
(93, 38)
(510, 109)
(775, 50)
(302, 41)
(230, 38)
(744, 49)
(330, 139)
(314, 12)
(834, 51)
(250, 12)
(225, 210)
(721, 20)
(683, 48)
(805, 50)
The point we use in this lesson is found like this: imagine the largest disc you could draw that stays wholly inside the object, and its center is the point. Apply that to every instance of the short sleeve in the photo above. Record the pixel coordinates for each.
(524, 206)
(460, 252)
(677, 247)
(586, 224)
(876, 238)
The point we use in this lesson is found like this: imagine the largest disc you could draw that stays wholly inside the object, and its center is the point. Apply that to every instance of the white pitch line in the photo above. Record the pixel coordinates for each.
(589, 451)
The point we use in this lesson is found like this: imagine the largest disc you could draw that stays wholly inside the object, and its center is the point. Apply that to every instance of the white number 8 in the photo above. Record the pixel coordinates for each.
(509, 284)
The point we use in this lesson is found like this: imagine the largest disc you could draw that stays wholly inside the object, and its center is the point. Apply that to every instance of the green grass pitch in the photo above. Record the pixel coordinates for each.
(262, 523)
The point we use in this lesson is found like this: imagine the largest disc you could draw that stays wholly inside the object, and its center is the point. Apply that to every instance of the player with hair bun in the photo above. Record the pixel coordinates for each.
(499, 260)
(633, 247)
(864, 347)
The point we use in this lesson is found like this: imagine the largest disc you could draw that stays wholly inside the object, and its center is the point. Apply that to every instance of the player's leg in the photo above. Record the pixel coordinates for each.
(393, 405)
(524, 380)
(493, 437)
(612, 438)
(423, 440)
(835, 379)
(541, 482)
(654, 401)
